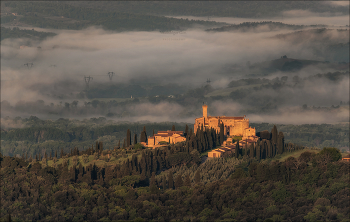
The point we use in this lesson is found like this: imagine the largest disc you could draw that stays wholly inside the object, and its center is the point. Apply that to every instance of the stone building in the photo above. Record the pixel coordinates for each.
(165, 136)
(233, 126)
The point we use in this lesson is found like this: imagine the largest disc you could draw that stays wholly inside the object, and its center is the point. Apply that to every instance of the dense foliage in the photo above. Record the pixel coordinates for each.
(313, 135)
(33, 135)
(312, 187)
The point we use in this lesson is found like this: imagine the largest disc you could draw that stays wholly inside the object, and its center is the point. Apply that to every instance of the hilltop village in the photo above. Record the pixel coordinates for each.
(235, 128)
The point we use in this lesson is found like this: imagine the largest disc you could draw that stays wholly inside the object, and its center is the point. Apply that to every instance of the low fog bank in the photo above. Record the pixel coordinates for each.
(173, 112)
(34, 70)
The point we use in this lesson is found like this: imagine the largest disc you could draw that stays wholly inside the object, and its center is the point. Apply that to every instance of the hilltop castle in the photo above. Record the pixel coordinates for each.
(233, 126)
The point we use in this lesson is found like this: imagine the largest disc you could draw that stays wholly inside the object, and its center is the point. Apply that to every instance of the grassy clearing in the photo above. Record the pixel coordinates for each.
(294, 154)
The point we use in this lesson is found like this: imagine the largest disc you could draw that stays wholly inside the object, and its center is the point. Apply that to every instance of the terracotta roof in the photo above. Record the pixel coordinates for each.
(217, 150)
(226, 117)
(347, 156)
(169, 132)
(231, 146)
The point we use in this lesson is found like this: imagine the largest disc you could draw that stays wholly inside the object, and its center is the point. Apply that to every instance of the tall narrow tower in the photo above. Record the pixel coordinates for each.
(205, 111)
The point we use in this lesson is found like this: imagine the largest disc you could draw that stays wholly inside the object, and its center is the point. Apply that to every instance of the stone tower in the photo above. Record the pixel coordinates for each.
(205, 111)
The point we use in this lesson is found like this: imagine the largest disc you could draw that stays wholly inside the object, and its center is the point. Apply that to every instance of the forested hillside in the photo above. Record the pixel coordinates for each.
(22, 33)
(59, 15)
(249, 9)
(309, 188)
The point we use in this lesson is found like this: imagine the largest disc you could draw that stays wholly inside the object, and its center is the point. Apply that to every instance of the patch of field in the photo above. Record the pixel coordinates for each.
(294, 154)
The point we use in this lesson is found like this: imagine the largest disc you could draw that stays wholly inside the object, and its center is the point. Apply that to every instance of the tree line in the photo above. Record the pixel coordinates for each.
(313, 185)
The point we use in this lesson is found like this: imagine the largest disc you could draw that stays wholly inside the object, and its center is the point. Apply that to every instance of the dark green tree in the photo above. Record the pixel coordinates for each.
(331, 153)
(178, 181)
(143, 136)
(164, 182)
(222, 133)
(237, 149)
(170, 180)
(280, 143)
(187, 181)
(128, 138)
(173, 128)
(274, 135)
(152, 186)
(135, 138)
(197, 177)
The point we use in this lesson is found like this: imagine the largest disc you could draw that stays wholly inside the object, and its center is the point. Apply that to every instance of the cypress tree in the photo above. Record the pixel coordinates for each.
(187, 181)
(173, 128)
(100, 144)
(170, 180)
(186, 131)
(251, 150)
(237, 149)
(280, 143)
(222, 128)
(258, 152)
(197, 177)
(153, 132)
(153, 187)
(274, 135)
(128, 138)
(143, 136)
(164, 182)
(178, 182)
(135, 138)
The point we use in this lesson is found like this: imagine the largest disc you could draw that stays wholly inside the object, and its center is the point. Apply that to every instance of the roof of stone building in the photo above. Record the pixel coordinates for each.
(168, 133)
(217, 150)
(224, 117)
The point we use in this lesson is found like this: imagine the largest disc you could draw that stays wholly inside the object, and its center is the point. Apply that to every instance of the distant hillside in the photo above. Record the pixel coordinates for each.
(59, 15)
(22, 33)
(257, 27)
(243, 9)
(317, 36)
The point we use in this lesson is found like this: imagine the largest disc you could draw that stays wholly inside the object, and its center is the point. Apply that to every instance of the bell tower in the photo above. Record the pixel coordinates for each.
(205, 111)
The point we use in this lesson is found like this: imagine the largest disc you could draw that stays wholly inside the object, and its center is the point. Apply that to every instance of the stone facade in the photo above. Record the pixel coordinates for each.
(233, 126)
(165, 136)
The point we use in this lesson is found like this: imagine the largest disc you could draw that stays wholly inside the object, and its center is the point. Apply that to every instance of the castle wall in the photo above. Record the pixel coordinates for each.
(237, 129)
(234, 126)
(249, 132)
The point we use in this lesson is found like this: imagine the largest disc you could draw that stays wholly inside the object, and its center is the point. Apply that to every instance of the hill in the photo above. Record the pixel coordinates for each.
(59, 15)
(227, 189)
(264, 26)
